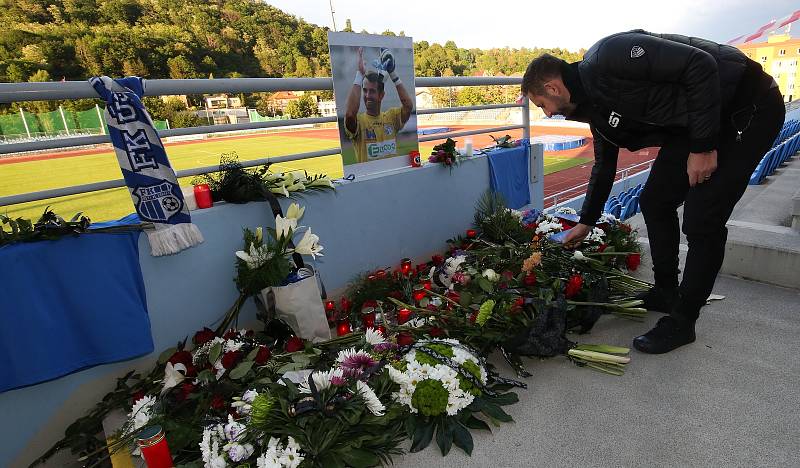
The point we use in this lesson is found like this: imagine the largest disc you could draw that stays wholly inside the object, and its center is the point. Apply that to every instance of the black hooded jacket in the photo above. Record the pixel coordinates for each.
(637, 88)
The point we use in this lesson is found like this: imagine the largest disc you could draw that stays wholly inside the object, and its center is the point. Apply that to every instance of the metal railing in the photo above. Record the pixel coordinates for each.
(569, 194)
(18, 92)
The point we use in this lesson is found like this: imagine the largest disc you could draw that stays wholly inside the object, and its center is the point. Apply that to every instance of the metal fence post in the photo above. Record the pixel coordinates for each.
(24, 122)
(100, 118)
(63, 119)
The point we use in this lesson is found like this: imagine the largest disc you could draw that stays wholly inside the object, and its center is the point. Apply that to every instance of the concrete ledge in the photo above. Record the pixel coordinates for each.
(769, 254)
(796, 211)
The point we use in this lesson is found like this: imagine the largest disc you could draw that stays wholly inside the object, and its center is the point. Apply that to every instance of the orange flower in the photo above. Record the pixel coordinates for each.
(532, 262)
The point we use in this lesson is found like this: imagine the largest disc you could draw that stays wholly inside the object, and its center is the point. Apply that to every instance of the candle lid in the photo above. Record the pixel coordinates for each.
(149, 436)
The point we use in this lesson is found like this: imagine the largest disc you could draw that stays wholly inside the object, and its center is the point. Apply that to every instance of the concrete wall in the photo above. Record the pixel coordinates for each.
(368, 223)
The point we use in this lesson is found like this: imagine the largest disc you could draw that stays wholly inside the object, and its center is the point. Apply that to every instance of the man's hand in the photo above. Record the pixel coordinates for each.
(361, 67)
(700, 166)
(576, 235)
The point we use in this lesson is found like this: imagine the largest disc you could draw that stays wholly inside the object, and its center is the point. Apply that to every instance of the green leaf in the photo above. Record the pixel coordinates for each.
(475, 423)
(241, 370)
(505, 399)
(495, 412)
(466, 298)
(422, 437)
(205, 376)
(358, 458)
(251, 356)
(214, 352)
(290, 366)
(164, 357)
(485, 284)
(301, 358)
(423, 303)
(462, 438)
(444, 436)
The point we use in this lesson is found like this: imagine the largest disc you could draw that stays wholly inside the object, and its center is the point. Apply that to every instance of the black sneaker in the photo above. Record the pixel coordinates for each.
(668, 334)
(658, 299)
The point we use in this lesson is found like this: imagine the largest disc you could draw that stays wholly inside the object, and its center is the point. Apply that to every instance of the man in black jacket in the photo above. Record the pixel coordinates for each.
(713, 112)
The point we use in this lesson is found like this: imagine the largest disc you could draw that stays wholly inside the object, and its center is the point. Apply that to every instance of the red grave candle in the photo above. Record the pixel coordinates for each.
(343, 327)
(403, 315)
(202, 196)
(155, 450)
(471, 233)
(405, 266)
(368, 318)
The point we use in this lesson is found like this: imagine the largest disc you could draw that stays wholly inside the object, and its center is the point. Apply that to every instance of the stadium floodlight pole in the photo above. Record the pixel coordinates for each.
(333, 18)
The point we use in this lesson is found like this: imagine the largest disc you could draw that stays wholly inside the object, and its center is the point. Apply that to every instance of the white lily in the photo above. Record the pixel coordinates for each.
(285, 226)
(173, 375)
(309, 245)
(259, 234)
(297, 186)
(280, 190)
(295, 211)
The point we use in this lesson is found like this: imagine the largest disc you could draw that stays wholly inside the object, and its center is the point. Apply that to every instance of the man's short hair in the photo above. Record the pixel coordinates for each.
(541, 70)
(373, 77)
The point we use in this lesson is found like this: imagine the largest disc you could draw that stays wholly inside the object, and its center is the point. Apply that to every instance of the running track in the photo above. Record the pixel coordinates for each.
(553, 183)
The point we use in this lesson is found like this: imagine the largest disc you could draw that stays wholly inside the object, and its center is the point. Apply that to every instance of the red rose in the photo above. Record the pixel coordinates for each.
(566, 225)
(436, 332)
(530, 279)
(573, 286)
(181, 357)
(230, 334)
(404, 339)
(203, 336)
(250, 334)
(191, 371)
(137, 396)
(633, 261)
(507, 275)
(217, 402)
(437, 259)
(625, 228)
(602, 248)
(473, 317)
(231, 358)
(294, 344)
(370, 303)
(263, 355)
(186, 389)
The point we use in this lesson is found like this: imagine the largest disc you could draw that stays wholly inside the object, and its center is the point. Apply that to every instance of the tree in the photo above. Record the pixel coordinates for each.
(301, 108)
(181, 67)
(348, 26)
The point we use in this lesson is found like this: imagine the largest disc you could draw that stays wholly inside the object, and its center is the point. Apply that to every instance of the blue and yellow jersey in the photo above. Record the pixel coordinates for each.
(376, 137)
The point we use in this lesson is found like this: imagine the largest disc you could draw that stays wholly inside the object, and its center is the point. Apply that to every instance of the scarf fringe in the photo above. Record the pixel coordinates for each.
(174, 239)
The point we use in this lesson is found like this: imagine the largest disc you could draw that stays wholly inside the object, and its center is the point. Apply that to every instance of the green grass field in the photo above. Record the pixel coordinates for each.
(32, 176)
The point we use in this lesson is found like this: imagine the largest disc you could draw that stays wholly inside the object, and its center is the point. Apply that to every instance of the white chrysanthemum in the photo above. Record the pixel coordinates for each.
(322, 380)
(210, 447)
(546, 227)
(374, 405)
(596, 235)
(232, 345)
(397, 376)
(279, 456)
(566, 210)
(490, 275)
(607, 218)
(142, 411)
(516, 213)
(374, 337)
(452, 264)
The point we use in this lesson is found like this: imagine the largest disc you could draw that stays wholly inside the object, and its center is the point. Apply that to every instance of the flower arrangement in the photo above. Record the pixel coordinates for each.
(446, 154)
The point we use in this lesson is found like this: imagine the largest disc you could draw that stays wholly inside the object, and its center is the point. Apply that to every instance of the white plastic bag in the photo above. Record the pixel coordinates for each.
(299, 304)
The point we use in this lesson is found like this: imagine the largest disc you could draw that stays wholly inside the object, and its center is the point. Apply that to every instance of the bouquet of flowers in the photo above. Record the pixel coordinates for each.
(446, 154)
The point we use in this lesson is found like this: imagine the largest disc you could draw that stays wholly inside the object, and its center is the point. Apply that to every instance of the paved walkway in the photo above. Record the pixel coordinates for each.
(729, 399)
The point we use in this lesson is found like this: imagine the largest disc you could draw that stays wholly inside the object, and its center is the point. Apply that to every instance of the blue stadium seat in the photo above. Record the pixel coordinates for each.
(616, 210)
(630, 208)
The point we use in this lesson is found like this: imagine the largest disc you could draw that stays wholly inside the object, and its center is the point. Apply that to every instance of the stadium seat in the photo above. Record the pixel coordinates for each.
(630, 208)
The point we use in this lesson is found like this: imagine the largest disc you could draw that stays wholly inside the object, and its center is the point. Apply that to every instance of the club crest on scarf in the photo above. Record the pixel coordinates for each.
(158, 203)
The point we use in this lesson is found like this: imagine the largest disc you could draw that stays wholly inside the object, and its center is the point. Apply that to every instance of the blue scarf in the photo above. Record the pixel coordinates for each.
(151, 181)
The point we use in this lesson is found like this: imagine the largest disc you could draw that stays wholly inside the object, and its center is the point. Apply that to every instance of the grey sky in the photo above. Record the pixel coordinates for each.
(568, 23)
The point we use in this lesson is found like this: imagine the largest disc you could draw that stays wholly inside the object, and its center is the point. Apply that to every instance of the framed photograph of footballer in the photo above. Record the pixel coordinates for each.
(373, 83)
